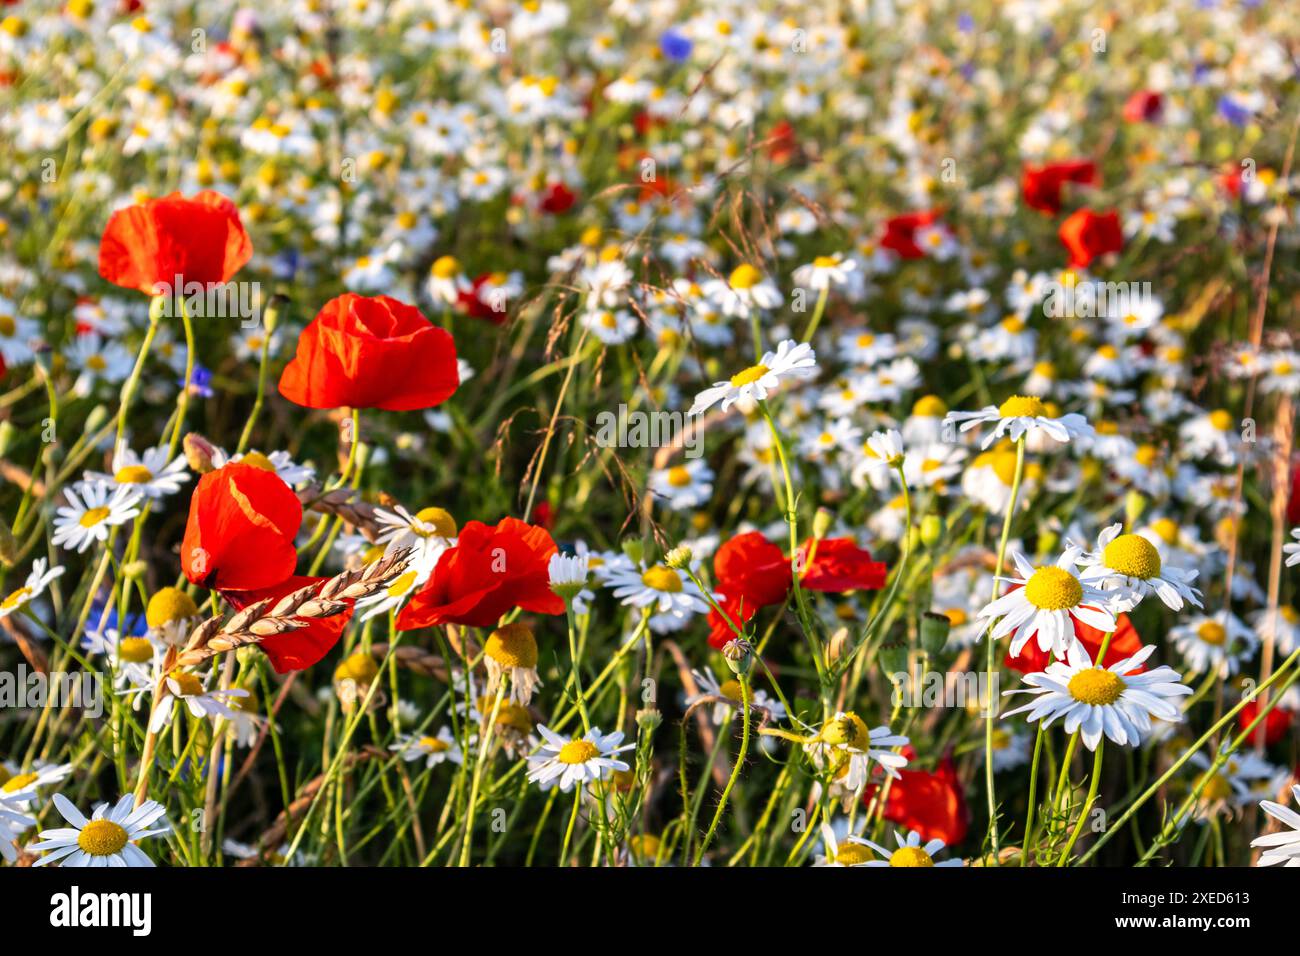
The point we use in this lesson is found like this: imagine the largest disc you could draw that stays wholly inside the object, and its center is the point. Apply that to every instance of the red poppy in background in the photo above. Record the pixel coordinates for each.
(1144, 106)
(783, 143)
(146, 246)
(900, 232)
(1275, 724)
(751, 572)
(490, 571)
(240, 531)
(931, 804)
(1041, 185)
(371, 352)
(839, 565)
(558, 198)
(301, 648)
(1087, 234)
(1125, 643)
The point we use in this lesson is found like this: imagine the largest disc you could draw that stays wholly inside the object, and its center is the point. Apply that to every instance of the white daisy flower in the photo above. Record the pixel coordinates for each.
(673, 597)
(612, 327)
(189, 690)
(1043, 604)
(910, 852)
(447, 281)
(791, 360)
(21, 788)
(1102, 700)
(685, 486)
(428, 533)
(432, 750)
(845, 745)
(13, 824)
(1018, 416)
(1292, 549)
(108, 838)
(567, 572)
(281, 462)
(150, 472)
(853, 851)
(824, 272)
(710, 686)
(1283, 847)
(91, 510)
(38, 579)
(1130, 563)
(579, 760)
(743, 291)
(1221, 643)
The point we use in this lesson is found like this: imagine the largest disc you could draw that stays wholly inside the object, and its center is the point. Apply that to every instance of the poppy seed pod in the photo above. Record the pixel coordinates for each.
(934, 632)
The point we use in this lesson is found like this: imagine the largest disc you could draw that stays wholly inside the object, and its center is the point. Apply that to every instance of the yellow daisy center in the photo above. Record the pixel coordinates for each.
(1021, 406)
(168, 605)
(8, 326)
(911, 856)
(847, 729)
(1096, 686)
(577, 751)
(17, 599)
(102, 838)
(360, 668)
(512, 645)
(134, 650)
(402, 584)
(444, 525)
(1221, 419)
(744, 276)
(662, 578)
(1166, 528)
(257, 460)
(1146, 455)
(929, 406)
(679, 477)
(446, 267)
(433, 744)
(14, 784)
(1132, 555)
(188, 684)
(851, 854)
(93, 516)
(1053, 589)
(749, 376)
(825, 262)
(730, 689)
(1212, 632)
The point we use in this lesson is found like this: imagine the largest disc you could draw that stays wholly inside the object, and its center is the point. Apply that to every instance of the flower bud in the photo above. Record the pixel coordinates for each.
(1134, 505)
(6, 436)
(932, 530)
(678, 558)
(739, 656)
(199, 453)
(893, 658)
(822, 522)
(648, 719)
(934, 632)
(271, 314)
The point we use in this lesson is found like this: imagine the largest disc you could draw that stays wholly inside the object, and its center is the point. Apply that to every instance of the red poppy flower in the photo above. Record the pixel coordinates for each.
(558, 199)
(301, 648)
(751, 572)
(1041, 185)
(931, 804)
(240, 531)
(783, 143)
(146, 246)
(1125, 643)
(1274, 726)
(363, 352)
(839, 565)
(1144, 106)
(900, 232)
(489, 572)
(1087, 234)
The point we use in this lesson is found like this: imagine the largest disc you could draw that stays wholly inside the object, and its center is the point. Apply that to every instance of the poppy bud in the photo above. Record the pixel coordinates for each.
(934, 632)
(822, 522)
(198, 452)
(893, 658)
(932, 530)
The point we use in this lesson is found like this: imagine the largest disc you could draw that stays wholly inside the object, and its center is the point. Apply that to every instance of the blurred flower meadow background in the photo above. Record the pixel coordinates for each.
(649, 433)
